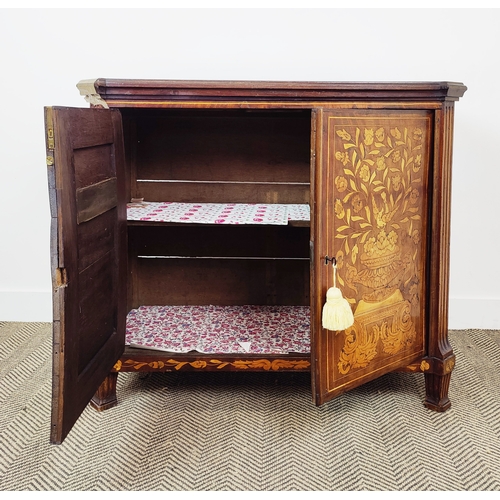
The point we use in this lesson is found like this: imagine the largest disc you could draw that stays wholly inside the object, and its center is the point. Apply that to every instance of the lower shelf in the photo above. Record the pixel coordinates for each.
(248, 330)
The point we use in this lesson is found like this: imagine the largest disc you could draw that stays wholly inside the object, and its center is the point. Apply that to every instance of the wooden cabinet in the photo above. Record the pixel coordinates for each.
(194, 225)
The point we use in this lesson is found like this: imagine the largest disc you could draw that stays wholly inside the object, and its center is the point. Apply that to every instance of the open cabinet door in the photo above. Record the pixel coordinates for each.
(371, 185)
(85, 159)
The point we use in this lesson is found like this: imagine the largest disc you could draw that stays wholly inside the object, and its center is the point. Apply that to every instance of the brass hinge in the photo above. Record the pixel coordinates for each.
(50, 138)
(49, 127)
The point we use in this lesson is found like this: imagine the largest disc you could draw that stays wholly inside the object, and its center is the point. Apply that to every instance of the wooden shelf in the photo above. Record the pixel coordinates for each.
(154, 213)
(209, 329)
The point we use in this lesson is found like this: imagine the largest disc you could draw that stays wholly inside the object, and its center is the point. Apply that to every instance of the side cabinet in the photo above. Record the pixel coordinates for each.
(194, 225)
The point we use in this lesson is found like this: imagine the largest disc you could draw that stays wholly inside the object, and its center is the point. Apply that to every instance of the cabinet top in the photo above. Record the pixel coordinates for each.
(116, 91)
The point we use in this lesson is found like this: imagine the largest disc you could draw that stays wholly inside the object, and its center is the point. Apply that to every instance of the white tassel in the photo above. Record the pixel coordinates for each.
(337, 313)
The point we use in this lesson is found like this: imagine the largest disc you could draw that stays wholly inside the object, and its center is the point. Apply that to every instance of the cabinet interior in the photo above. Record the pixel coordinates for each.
(218, 156)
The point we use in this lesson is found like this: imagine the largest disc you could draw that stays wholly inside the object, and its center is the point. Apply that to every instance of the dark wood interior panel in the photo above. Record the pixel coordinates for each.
(95, 323)
(88, 269)
(95, 238)
(220, 282)
(188, 192)
(224, 145)
(290, 283)
(96, 199)
(221, 241)
(219, 156)
(90, 129)
(93, 165)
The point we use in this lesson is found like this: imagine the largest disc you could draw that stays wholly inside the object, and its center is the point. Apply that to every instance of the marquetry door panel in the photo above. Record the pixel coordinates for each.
(372, 188)
(85, 158)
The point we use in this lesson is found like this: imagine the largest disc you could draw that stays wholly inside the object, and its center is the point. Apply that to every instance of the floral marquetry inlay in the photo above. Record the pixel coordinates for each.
(239, 364)
(379, 187)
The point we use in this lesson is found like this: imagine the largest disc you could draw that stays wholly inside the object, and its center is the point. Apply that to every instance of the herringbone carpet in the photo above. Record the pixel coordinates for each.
(252, 431)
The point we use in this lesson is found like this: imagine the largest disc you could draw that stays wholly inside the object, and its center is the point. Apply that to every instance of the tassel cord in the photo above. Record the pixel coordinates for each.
(337, 313)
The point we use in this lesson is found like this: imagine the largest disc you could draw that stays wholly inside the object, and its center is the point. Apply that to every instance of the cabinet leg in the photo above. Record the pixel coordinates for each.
(436, 391)
(105, 397)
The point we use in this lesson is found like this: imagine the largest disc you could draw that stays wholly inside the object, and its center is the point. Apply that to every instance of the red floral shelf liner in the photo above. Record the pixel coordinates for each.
(218, 213)
(221, 329)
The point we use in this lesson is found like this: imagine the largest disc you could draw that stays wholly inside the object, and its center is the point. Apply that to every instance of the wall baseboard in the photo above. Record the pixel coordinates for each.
(26, 305)
(20, 305)
(473, 312)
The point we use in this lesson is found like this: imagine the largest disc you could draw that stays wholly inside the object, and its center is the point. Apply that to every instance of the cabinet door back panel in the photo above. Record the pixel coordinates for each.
(88, 244)
(96, 240)
(90, 165)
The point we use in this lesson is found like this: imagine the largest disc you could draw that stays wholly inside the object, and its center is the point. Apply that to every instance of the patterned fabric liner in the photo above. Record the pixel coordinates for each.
(218, 213)
(220, 329)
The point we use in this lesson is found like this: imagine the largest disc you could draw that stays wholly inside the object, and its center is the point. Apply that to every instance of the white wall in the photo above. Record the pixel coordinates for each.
(46, 52)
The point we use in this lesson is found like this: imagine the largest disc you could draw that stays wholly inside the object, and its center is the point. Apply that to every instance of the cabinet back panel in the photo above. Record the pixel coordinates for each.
(160, 281)
(219, 265)
(211, 192)
(220, 241)
(227, 151)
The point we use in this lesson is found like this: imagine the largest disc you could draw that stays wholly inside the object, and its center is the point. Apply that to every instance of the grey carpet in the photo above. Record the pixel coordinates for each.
(252, 431)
